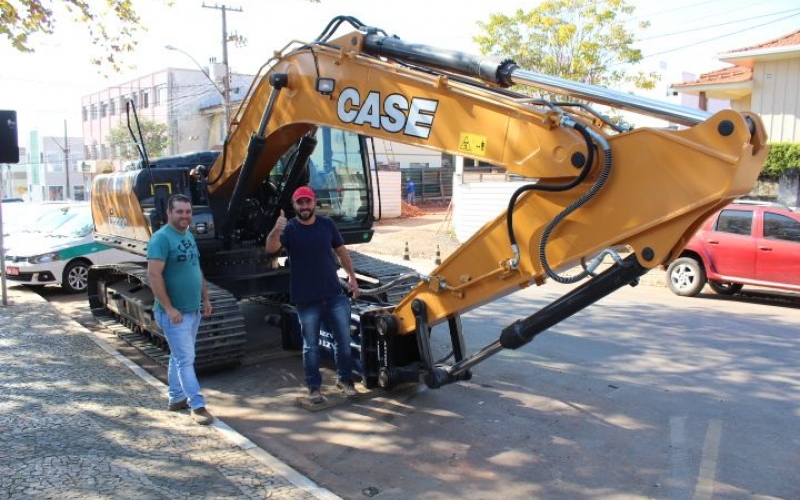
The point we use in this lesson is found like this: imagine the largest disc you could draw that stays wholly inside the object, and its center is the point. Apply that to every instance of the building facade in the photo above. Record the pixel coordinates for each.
(763, 78)
(15, 177)
(188, 101)
(54, 169)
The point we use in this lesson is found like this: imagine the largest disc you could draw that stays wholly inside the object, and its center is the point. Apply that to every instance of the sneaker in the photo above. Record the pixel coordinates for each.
(202, 416)
(315, 396)
(183, 404)
(347, 387)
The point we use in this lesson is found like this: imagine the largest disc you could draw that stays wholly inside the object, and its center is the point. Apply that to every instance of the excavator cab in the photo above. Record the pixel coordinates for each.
(338, 172)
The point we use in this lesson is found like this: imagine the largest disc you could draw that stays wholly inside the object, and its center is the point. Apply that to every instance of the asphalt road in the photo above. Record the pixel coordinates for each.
(643, 395)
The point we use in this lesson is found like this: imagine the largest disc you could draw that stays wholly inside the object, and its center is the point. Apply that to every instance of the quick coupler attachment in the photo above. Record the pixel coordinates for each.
(436, 375)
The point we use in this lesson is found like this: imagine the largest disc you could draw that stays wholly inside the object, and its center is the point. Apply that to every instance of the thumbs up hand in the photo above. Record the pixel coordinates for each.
(280, 224)
(273, 243)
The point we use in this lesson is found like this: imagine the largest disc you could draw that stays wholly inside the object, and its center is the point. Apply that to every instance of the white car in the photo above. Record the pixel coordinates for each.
(34, 220)
(18, 217)
(62, 256)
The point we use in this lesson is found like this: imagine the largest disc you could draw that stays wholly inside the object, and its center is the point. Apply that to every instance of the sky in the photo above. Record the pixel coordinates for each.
(45, 87)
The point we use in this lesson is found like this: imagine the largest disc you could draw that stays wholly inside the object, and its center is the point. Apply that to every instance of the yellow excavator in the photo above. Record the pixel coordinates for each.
(597, 191)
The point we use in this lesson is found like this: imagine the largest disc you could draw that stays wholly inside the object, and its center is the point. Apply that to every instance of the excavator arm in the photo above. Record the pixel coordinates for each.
(595, 189)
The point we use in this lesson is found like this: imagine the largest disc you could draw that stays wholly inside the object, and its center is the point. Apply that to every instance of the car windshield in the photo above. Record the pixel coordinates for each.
(78, 226)
(34, 218)
(50, 221)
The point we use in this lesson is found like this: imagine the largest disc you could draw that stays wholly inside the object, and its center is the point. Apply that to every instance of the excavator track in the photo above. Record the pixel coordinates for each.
(120, 299)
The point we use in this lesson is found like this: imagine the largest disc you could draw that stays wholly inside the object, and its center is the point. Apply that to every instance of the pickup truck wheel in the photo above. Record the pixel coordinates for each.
(76, 277)
(686, 277)
(725, 287)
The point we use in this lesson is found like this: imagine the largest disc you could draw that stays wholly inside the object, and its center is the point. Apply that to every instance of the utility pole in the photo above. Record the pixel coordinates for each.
(65, 151)
(66, 157)
(226, 87)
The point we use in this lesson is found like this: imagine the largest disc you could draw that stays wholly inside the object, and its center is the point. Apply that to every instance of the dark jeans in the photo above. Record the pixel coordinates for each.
(335, 311)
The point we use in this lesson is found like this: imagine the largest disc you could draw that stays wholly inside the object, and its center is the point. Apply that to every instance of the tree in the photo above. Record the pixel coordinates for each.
(156, 139)
(112, 25)
(582, 40)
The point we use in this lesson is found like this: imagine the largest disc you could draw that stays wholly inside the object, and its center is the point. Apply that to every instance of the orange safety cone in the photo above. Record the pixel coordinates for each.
(405, 253)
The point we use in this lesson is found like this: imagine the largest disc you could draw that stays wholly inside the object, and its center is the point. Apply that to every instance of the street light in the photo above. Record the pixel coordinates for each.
(225, 91)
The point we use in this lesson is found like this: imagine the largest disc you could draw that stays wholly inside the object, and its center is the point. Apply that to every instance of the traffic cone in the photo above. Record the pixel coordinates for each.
(438, 259)
(405, 253)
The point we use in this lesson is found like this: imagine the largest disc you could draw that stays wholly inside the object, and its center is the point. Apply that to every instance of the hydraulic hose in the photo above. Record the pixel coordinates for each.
(604, 174)
(371, 292)
(585, 169)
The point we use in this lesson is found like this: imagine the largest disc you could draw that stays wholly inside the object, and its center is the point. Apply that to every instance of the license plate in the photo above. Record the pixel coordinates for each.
(12, 271)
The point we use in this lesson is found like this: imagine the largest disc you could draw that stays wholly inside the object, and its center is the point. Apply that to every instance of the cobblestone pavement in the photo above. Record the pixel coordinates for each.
(79, 421)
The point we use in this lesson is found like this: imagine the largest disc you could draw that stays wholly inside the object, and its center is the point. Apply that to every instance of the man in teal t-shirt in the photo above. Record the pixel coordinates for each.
(173, 268)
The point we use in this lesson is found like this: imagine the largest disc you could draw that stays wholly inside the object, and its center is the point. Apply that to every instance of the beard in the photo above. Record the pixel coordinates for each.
(305, 214)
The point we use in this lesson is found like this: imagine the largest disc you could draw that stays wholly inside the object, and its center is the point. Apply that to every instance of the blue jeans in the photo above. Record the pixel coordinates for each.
(181, 377)
(335, 311)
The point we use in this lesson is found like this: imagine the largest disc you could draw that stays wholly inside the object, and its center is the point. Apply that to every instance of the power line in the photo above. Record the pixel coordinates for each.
(706, 27)
(700, 42)
(689, 6)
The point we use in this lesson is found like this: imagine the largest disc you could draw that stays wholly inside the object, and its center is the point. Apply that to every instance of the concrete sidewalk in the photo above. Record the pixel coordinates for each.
(79, 421)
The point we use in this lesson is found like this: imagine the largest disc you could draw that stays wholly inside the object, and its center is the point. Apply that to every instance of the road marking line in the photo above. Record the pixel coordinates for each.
(708, 464)
(679, 468)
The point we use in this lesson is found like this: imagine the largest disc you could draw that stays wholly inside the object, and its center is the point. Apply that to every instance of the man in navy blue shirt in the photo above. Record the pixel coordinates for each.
(311, 241)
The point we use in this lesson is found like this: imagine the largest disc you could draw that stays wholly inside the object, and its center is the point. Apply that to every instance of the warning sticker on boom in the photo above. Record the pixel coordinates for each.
(472, 144)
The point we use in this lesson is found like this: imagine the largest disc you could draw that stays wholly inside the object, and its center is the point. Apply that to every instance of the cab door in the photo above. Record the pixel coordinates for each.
(778, 249)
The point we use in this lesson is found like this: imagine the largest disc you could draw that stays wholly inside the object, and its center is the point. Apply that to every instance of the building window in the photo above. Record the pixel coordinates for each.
(145, 100)
(159, 94)
(103, 109)
(94, 112)
(112, 107)
(419, 164)
(85, 112)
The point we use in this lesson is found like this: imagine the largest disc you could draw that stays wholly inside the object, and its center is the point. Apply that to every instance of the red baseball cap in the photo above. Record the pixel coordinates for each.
(304, 192)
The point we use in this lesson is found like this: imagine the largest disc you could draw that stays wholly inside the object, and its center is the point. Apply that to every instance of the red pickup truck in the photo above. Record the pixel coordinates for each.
(745, 243)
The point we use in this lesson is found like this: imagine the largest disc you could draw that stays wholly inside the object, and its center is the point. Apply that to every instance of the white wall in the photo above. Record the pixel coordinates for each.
(390, 194)
(775, 98)
(475, 204)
